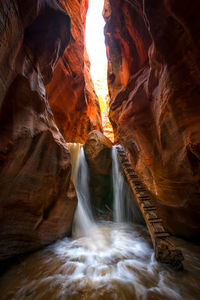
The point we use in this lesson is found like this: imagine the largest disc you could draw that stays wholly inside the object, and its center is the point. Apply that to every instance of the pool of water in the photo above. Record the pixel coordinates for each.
(114, 261)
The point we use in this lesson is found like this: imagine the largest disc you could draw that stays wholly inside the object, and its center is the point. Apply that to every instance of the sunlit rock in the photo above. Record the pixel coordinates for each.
(71, 93)
(153, 76)
(95, 43)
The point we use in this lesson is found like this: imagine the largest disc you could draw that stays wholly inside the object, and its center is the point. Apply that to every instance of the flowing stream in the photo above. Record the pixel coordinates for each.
(104, 260)
(125, 207)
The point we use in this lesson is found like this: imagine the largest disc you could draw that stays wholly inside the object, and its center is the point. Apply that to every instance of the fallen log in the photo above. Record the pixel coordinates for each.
(165, 251)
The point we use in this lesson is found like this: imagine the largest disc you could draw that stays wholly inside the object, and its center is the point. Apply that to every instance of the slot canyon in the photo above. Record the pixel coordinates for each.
(99, 149)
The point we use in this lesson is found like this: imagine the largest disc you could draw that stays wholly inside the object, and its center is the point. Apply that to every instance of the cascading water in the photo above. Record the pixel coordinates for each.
(125, 206)
(119, 197)
(107, 260)
(84, 224)
(83, 219)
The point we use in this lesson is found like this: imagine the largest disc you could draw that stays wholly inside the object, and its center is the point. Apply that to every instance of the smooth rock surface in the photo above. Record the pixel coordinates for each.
(154, 83)
(37, 197)
(98, 152)
(71, 92)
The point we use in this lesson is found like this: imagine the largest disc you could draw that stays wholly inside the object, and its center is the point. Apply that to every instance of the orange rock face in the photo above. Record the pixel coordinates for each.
(71, 92)
(153, 52)
(37, 197)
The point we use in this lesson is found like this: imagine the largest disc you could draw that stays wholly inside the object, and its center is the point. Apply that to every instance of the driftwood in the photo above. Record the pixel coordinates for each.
(165, 251)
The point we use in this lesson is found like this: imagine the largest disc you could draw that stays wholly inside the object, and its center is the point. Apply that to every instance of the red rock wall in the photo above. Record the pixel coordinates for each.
(154, 82)
(71, 92)
(37, 197)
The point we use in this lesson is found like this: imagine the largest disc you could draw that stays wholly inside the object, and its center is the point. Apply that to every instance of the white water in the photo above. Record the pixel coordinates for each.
(84, 224)
(107, 260)
(125, 206)
(123, 269)
(83, 220)
(119, 197)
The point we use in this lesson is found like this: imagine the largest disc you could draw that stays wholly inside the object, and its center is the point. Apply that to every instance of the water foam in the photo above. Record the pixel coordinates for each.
(107, 260)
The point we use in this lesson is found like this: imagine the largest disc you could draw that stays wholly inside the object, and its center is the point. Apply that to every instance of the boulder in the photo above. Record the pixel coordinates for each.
(98, 151)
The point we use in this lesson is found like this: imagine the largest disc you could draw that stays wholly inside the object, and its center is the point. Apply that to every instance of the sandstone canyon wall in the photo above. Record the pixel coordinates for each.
(154, 83)
(71, 92)
(37, 197)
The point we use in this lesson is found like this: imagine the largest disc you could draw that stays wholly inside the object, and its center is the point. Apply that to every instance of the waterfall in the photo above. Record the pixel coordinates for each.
(74, 151)
(106, 260)
(83, 219)
(118, 183)
(125, 205)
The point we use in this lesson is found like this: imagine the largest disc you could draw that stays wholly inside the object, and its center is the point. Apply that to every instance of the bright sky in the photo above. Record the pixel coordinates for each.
(95, 41)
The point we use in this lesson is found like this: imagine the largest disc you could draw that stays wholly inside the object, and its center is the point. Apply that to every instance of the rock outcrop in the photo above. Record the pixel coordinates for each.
(98, 152)
(154, 84)
(37, 197)
(71, 92)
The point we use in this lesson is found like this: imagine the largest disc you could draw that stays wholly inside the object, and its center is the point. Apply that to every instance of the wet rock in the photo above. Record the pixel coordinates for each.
(98, 151)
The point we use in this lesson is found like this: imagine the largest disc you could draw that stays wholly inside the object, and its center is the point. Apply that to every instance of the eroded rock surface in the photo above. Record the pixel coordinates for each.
(98, 152)
(154, 82)
(71, 93)
(37, 197)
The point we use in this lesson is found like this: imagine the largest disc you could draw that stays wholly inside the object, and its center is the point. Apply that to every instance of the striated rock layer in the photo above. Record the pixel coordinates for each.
(71, 92)
(154, 84)
(37, 197)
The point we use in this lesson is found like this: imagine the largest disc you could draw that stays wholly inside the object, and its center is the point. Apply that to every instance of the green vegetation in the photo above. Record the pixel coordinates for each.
(102, 103)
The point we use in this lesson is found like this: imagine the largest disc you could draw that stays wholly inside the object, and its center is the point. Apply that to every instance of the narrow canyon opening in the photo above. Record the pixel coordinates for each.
(99, 192)
(96, 48)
